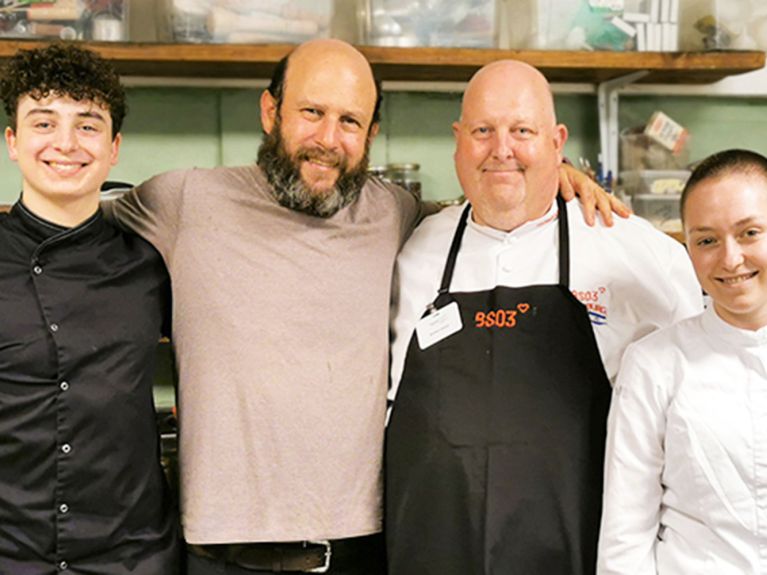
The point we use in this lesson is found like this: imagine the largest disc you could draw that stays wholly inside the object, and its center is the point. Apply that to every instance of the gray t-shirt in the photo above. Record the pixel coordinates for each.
(280, 327)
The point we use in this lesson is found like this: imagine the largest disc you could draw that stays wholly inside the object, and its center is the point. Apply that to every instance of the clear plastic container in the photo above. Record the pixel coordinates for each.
(100, 20)
(639, 152)
(462, 23)
(654, 182)
(613, 25)
(660, 210)
(248, 21)
(723, 25)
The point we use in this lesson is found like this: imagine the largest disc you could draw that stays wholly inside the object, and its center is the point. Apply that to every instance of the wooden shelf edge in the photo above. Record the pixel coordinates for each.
(248, 61)
(678, 236)
(560, 66)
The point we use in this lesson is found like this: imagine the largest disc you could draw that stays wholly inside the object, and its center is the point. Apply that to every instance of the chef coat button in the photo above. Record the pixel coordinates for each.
(66, 448)
(37, 270)
(64, 508)
(54, 327)
(64, 386)
(63, 565)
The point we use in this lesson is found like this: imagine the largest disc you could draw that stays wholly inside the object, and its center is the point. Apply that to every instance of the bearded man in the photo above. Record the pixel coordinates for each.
(281, 276)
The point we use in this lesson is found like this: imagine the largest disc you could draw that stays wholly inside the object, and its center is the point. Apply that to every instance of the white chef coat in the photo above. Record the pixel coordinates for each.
(686, 469)
(632, 278)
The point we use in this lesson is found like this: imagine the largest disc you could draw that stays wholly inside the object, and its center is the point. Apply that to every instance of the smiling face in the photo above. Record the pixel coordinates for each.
(508, 145)
(64, 149)
(725, 221)
(325, 116)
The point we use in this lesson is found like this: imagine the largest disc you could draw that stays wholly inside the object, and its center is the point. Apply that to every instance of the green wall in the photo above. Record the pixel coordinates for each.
(714, 123)
(169, 128)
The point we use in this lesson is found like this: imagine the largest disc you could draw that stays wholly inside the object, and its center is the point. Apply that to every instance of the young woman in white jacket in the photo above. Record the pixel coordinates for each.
(686, 464)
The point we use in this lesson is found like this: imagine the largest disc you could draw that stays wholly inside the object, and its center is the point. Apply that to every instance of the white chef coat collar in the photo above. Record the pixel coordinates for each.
(736, 336)
(520, 231)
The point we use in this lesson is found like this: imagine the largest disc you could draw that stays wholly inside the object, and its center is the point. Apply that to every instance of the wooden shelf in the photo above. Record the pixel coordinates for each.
(247, 61)
(590, 67)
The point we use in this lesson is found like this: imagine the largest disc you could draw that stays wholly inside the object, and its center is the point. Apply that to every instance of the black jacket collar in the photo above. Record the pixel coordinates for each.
(44, 231)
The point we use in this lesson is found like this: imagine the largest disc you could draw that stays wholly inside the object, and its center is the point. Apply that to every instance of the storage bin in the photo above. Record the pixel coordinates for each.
(101, 20)
(462, 23)
(654, 182)
(639, 152)
(660, 210)
(723, 25)
(616, 25)
(248, 21)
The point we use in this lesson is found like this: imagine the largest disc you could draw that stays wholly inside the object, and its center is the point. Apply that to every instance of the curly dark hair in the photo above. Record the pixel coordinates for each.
(65, 70)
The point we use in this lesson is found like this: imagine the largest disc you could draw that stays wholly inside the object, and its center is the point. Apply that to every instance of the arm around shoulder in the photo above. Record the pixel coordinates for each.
(152, 209)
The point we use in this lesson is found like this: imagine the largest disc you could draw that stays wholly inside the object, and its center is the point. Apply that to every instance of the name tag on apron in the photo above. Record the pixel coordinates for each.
(438, 325)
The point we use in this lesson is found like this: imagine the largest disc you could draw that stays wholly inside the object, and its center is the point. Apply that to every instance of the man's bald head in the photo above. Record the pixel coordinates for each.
(508, 76)
(336, 52)
(508, 145)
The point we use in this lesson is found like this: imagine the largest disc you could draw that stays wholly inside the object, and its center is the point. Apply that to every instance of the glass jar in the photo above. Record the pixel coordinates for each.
(406, 176)
(377, 172)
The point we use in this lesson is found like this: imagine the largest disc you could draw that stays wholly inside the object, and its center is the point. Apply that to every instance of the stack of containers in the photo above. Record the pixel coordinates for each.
(653, 170)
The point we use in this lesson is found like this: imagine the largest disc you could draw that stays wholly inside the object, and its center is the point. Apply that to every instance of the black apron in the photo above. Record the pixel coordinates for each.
(495, 448)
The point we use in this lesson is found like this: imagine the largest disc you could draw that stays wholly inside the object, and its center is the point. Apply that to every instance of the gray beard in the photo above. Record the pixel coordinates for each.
(283, 174)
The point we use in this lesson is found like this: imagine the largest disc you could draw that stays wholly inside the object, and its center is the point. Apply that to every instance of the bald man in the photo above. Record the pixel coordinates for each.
(510, 319)
(281, 276)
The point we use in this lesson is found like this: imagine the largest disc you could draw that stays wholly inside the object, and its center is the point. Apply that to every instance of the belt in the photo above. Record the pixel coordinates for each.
(296, 557)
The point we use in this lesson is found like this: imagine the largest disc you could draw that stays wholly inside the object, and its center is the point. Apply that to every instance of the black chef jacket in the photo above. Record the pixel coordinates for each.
(81, 487)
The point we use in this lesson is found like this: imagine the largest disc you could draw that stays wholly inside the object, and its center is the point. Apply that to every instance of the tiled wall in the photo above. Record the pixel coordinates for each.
(169, 128)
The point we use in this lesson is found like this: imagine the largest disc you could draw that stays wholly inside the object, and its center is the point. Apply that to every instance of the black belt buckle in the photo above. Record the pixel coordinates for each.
(325, 567)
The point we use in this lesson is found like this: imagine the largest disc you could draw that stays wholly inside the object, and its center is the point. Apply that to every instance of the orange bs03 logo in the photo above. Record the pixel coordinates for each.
(505, 318)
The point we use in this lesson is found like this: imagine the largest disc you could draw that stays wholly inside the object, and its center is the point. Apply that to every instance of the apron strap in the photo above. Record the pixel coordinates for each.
(455, 246)
(564, 244)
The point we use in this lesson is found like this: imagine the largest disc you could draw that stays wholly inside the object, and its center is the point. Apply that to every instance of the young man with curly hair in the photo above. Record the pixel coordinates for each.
(82, 306)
